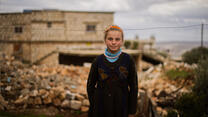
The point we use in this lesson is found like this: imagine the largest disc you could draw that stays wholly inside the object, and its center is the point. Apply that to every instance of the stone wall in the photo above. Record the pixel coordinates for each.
(6, 48)
(8, 23)
(47, 25)
(44, 31)
(26, 52)
(66, 25)
(41, 51)
(76, 24)
(48, 52)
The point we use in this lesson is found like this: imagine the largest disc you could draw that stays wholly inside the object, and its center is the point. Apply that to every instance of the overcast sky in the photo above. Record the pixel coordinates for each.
(144, 18)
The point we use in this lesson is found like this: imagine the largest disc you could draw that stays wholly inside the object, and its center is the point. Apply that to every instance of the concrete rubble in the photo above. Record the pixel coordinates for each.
(64, 87)
(160, 91)
(23, 86)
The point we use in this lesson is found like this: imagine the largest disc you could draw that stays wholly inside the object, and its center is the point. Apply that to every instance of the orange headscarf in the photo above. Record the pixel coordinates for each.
(113, 27)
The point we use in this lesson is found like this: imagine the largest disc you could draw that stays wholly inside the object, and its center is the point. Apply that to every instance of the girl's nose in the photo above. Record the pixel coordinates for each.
(113, 41)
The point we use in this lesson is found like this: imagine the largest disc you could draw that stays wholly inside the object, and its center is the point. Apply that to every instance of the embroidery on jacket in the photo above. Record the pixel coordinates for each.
(102, 74)
(123, 71)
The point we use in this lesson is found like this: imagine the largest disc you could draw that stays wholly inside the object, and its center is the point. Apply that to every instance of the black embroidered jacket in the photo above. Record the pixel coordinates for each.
(112, 87)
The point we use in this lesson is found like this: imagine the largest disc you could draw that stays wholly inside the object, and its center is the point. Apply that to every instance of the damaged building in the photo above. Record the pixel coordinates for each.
(48, 36)
(56, 37)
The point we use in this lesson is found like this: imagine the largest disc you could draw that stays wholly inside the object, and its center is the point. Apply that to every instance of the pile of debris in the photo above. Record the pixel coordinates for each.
(162, 91)
(64, 87)
(23, 86)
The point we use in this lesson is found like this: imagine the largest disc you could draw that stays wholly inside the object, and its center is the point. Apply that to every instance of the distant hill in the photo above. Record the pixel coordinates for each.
(177, 48)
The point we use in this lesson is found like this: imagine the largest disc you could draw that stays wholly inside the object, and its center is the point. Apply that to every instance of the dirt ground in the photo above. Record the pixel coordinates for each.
(8, 114)
(42, 113)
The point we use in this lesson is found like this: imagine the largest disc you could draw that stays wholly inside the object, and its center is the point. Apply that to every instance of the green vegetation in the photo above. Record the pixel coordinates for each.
(78, 112)
(135, 45)
(176, 74)
(127, 44)
(194, 104)
(172, 113)
(201, 82)
(195, 55)
(187, 106)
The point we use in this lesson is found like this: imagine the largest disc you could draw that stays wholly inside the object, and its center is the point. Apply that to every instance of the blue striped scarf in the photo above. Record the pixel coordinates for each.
(112, 57)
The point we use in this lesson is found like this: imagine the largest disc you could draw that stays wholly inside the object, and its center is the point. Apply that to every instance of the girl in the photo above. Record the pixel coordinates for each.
(112, 83)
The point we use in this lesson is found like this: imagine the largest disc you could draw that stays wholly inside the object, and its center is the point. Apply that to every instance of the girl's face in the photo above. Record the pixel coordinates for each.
(114, 41)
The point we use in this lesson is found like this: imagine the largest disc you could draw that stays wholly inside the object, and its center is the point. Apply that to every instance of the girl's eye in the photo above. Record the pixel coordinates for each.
(110, 39)
(118, 39)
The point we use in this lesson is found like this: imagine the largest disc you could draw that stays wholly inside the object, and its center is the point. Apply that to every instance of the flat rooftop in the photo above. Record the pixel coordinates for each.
(95, 52)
